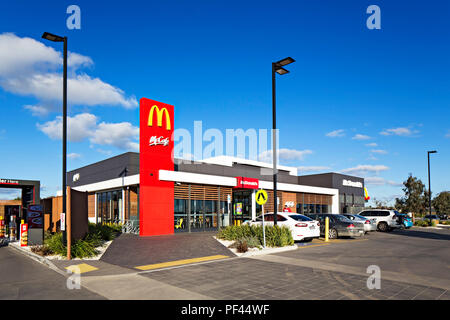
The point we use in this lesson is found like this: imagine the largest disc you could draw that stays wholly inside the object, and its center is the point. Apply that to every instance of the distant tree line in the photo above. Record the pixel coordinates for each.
(416, 199)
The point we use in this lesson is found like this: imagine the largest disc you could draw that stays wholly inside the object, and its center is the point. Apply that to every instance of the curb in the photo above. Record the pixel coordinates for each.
(267, 250)
(37, 258)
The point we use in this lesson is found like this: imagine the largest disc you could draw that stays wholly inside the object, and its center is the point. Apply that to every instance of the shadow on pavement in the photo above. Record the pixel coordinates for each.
(422, 234)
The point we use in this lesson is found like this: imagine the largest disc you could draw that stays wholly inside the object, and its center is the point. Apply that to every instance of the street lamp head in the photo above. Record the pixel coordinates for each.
(281, 71)
(284, 62)
(434, 151)
(52, 37)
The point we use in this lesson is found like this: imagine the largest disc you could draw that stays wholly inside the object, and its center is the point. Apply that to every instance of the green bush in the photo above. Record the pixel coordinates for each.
(252, 242)
(446, 222)
(422, 223)
(276, 236)
(55, 244)
(83, 248)
(106, 231)
(434, 222)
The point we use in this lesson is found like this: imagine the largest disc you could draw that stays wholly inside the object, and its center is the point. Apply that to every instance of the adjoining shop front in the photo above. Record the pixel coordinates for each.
(207, 194)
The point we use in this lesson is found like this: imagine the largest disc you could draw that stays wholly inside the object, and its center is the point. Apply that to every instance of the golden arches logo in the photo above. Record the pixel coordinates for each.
(159, 117)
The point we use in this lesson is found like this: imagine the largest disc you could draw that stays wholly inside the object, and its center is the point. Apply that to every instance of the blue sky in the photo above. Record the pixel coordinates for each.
(349, 87)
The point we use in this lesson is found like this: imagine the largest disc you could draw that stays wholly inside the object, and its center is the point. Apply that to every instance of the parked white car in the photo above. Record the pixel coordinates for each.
(302, 227)
(369, 224)
(386, 219)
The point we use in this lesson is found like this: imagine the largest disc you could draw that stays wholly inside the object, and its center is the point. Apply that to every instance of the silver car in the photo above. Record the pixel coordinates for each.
(369, 224)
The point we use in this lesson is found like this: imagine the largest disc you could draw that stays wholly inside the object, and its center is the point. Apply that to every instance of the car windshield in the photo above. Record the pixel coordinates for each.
(299, 217)
(341, 218)
(360, 217)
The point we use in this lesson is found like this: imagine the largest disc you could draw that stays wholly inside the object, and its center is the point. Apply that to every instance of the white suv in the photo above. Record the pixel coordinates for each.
(386, 219)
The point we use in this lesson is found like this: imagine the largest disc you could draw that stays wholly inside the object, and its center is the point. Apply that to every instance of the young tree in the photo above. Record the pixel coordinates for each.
(441, 203)
(414, 198)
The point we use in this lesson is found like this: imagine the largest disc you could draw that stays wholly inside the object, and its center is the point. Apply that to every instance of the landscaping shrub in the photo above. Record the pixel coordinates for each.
(276, 236)
(106, 232)
(421, 223)
(83, 248)
(55, 244)
(446, 222)
(434, 222)
(42, 250)
(252, 242)
(242, 246)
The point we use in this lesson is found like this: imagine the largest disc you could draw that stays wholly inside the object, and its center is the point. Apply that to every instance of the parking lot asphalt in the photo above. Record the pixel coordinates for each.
(414, 264)
(413, 253)
(23, 278)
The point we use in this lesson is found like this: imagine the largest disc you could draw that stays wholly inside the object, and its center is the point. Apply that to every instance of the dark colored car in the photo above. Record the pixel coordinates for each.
(340, 226)
(431, 217)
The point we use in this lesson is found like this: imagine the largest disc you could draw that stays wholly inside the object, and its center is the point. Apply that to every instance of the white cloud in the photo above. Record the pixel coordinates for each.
(373, 144)
(361, 137)
(336, 133)
(448, 135)
(285, 154)
(379, 151)
(122, 135)
(29, 68)
(402, 131)
(37, 110)
(313, 168)
(364, 169)
(378, 181)
(78, 128)
(73, 156)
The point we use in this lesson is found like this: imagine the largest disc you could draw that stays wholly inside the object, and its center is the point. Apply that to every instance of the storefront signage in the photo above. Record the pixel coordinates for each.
(247, 183)
(63, 222)
(8, 181)
(238, 208)
(350, 183)
(35, 217)
(155, 141)
(2, 228)
(156, 205)
(23, 235)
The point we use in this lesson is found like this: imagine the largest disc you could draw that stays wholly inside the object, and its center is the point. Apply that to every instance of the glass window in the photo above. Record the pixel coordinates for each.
(197, 215)
(299, 217)
(210, 214)
(325, 208)
(180, 215)
(224, 214)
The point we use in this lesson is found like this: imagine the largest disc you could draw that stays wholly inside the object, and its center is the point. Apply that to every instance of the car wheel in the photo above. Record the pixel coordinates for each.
(383, 227)
(332, 234)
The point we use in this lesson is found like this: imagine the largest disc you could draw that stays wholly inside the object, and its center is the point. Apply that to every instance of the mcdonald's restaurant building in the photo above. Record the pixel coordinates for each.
(161, 195)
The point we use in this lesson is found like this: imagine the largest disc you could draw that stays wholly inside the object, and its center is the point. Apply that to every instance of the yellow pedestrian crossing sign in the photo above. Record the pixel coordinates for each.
(261, 197)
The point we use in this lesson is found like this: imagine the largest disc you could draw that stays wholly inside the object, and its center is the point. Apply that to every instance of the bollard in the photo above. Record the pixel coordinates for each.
(327, 228)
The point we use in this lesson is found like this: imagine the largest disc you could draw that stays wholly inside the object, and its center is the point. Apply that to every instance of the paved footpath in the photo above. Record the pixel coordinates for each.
(317, 270)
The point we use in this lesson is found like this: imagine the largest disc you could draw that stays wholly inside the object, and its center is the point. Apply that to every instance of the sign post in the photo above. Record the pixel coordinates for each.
(261, 199)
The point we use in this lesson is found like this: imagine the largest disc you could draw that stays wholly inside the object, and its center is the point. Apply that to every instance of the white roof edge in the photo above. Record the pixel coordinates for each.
(109, 184)
(228, 161)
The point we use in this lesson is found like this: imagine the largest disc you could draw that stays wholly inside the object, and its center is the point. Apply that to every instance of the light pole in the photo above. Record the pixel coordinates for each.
(55, 38)
(429, 179)
(277, 67)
